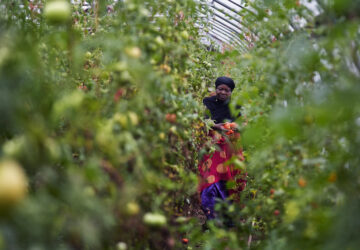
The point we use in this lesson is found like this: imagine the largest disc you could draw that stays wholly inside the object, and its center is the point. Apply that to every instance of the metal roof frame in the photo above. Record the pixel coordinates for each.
(224, 41)
(215, 25)
(218, 39)
(230, 38)
(221, 13)
(226, 26)
(229, 28)
(218, 27)
(238, 5)
(226, 6)
(242, 7)
(240, 25)
(231, 23)
(222, 18)
(225, 20)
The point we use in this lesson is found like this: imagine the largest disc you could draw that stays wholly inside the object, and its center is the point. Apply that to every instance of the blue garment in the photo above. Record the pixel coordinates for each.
(211, 195)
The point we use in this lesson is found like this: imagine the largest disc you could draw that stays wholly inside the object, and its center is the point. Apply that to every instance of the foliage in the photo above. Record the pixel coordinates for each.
(84, 104)
(102, 113)
(299, 92)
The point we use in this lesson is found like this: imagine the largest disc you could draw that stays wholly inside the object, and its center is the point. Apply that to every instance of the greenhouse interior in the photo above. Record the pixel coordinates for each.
(179, 124)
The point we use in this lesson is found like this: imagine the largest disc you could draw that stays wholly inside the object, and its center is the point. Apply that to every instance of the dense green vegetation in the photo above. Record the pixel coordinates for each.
(101, 125)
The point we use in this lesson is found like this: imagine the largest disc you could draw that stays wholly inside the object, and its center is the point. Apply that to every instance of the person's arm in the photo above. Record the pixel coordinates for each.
(219, 126)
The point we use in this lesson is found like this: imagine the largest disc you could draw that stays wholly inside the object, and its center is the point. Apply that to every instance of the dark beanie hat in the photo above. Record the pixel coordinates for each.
(225, 80)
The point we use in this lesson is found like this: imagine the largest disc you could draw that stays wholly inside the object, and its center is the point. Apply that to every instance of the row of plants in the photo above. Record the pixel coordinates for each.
(98, 149)
(102, 125)
(299, 89)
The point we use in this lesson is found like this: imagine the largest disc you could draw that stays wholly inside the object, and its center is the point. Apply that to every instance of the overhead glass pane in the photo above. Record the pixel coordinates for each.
(223, 18)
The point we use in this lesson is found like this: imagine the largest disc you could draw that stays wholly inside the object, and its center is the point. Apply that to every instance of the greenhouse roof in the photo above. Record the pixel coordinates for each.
(224, 28)
(223, 23)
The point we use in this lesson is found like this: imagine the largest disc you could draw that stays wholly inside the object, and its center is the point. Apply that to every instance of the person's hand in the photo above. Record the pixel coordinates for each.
(219, 126)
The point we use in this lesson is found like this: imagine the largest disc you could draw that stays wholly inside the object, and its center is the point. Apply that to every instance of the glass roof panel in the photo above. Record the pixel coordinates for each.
(224, 21)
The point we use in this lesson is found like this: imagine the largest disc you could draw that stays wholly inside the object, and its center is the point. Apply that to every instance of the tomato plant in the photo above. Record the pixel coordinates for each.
(102, 126)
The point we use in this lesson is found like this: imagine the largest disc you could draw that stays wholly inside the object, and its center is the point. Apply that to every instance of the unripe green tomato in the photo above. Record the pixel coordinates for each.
(104, 137)
(162, 20)
(207, 64)
(144, 12)
(57, 11)
(159, 41)
(162, 135)
(125, 76)
(134, 119)
(13, 183)
(184, 34)
(13, 148)
(173, 129)
(155, 220)
(185, 120)
(132, 208)
(120, 66)
(181, 219)
(121, 246)
(88, 55)
(134, 52)
(131, 6)
(104, 75)
(121, 119)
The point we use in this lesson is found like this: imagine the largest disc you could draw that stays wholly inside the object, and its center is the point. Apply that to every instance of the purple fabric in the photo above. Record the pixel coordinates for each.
(211, 195)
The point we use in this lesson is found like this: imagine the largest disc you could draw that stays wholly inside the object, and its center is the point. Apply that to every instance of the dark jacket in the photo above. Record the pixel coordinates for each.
(219, 110)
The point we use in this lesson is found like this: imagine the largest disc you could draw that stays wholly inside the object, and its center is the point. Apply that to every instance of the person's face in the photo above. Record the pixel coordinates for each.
(223, 92)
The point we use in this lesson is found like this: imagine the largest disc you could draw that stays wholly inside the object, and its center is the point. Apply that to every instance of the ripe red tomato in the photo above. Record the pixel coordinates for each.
(230, 132)
(233, 125)
(82, 87)
(302, 182)
(227, 126)
(119, 93)
(170, 118)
